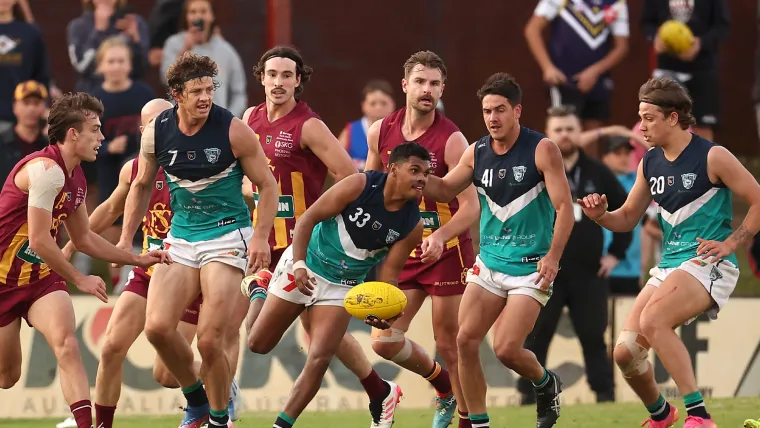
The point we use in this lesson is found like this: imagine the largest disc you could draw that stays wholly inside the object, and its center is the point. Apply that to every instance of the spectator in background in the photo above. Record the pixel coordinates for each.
(625, 277)
(581, 283)
(122, 100)
(23, 57)
(588, 38)
(103, 19)
(377, 102)
(26, 136)
(198, 37)
(163, 22)
(696, 69)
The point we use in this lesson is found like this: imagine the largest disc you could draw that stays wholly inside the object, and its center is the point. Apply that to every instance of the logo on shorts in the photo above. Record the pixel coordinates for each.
(502, 173)
(698, 262)
(392, 236)
(191, 155)
(167, 245)
(159, 185)
(377, 225)
(291, 285)
(519, 172)
(688, 180)
(68, 196)
(464, 275)
(715, 274)
(475, 270)
(212, 155)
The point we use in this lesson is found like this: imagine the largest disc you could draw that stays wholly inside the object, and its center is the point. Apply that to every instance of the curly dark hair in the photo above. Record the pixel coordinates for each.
(71, 111)
(302, 70)
(502, 84)
(427, 59)
(670, 97)
(189, 66)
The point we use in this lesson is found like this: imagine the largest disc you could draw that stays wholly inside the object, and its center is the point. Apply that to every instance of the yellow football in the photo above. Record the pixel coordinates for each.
(374, 299)
(676, 35)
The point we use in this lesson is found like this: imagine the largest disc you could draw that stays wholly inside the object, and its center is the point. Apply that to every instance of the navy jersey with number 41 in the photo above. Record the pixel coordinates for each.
(342, 249)
(690, 205)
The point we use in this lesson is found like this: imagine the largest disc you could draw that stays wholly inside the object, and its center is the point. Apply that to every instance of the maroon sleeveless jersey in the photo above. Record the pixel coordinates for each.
(300, 174)
(158, 219)
(19, 265)
(434, 214)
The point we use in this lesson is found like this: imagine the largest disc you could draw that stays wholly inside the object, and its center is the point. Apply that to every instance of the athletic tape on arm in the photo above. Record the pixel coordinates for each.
(148, 139)
(44, 185)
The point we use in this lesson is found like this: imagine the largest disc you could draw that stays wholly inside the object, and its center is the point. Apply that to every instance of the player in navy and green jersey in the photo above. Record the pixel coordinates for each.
(521, 182)
(692, 180)
(361, 220)
(204, 152)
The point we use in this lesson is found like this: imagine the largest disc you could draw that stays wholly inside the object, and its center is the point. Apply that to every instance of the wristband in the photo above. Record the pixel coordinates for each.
(300, 265)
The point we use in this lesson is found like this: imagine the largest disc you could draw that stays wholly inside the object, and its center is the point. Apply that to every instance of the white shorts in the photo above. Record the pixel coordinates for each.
(503, 285)
(283, 285)
(719, 279)
(230, 248)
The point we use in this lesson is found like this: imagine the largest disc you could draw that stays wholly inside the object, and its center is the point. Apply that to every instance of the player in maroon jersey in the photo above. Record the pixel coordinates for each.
(43, 191)
(300, 150)
(437, 267)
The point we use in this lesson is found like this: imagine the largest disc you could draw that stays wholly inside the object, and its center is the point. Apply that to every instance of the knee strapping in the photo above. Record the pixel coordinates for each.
(639, 354)
(394, 335)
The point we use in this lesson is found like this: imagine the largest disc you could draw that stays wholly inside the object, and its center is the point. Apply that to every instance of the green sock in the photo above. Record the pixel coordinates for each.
(284, 421)
(659, 410)
(543, 381)
(218, 413)
(193, 387)
(695, 405)
(479, 420)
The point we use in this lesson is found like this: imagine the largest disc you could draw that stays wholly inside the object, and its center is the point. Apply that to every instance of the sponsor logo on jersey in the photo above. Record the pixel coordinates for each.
(377, 225)
(159, 185)
(671, 180)
(502, 173)
(226, 221)
(430, 219)
(191, 155)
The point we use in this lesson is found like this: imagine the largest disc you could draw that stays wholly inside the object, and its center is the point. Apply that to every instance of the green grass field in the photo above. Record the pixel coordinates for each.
(728, 413)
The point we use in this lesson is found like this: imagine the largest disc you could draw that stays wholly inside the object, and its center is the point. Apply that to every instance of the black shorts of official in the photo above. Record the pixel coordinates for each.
(704, 90)
(585, 107)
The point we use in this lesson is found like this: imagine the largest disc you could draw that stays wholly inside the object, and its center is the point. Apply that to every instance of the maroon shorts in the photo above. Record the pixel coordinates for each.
(15, 301)
(138, 282)
(446, 277)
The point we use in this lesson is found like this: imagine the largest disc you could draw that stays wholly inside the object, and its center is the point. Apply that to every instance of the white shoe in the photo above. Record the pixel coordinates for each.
(235, 405)
(68, 423)
(384, 412)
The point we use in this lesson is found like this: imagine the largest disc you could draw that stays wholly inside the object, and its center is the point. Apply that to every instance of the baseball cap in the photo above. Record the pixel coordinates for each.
(613, 143)
(30, 88)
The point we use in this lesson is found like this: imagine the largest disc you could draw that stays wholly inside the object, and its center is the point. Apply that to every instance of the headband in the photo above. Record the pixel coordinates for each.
(197, 76)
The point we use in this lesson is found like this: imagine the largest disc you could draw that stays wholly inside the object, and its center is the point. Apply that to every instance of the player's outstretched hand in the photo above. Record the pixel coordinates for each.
(126, 246)
(259, 256)
(93, 285)
(305, 281)
(382, 324)
(547, 271)
(716, 249)
(432, 248)
(594, 205)
(154, 257)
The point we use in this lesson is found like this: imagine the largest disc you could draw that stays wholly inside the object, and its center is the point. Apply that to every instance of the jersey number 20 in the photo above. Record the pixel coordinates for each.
(657, 185)
(360, 218)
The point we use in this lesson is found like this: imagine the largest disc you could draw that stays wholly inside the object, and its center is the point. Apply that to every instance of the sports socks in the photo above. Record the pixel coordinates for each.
(659, 410)
(104, 415)
(82, 411)
(480, 420)
(464, 420)
(218, 418)
(439, 378)
(695, 405)
(284, 421)
(376, 387)
(195, 394)
(543, 382)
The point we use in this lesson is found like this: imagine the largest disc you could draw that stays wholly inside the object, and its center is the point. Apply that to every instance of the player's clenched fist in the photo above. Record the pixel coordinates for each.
(594, 205)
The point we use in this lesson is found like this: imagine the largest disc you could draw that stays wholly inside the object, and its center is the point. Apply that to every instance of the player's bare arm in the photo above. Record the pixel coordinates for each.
(374, 161)
(106, 214)
(549, 164)
(42, 179)
(330, 204)
(317, 137)
(456, 180)
(723, 167)
(625, 218)
(469, 207)
(247, 149)
(138, 198)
